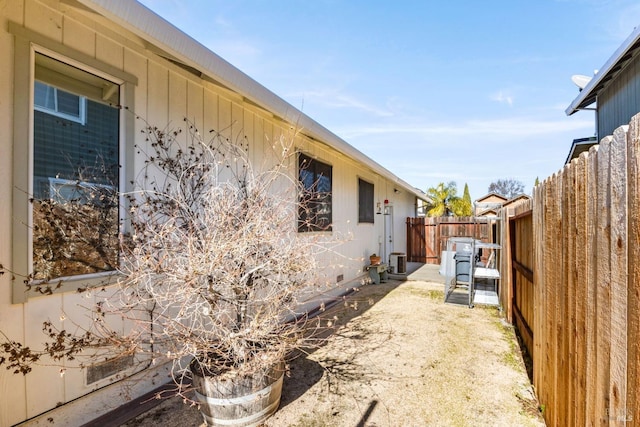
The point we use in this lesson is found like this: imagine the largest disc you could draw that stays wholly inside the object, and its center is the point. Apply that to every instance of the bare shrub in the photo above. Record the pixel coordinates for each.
(211, 268)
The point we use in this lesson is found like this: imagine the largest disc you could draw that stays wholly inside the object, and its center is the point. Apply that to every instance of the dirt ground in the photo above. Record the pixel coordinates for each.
(400, 357)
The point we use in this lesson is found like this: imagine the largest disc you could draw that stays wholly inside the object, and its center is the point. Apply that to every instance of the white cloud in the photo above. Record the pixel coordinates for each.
(502, 97)
(495, 129)
(334, 99)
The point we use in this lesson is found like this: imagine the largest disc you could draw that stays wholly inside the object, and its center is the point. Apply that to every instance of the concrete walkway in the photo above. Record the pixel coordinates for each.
(424, 272)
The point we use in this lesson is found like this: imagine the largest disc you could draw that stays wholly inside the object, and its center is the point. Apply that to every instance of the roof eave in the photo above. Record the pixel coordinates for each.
(587, 95)
(146, 24)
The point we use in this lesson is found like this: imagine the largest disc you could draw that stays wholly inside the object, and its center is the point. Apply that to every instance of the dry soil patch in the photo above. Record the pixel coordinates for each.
(399, 356)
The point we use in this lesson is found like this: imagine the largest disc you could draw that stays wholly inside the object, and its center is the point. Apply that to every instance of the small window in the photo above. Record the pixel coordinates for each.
(365, 202)
(315, 205)
(51, 100)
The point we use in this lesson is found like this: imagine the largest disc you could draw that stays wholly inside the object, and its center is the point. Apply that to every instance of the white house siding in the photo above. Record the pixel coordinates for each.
(164, 94)
(12, 387)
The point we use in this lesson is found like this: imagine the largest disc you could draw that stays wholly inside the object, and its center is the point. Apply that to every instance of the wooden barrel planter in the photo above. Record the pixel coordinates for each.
(241, 401)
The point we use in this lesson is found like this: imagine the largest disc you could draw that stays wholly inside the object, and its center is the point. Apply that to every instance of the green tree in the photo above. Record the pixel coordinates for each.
(444, 199)
(465, 207)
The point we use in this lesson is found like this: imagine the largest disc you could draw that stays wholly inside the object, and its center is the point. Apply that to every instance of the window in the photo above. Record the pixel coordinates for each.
(365, 201)
(52, 100)
(68, 161)
(314, 213)
(76, 140)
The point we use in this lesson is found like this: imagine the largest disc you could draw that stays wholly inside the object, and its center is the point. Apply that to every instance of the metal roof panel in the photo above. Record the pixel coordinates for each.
(588, 95)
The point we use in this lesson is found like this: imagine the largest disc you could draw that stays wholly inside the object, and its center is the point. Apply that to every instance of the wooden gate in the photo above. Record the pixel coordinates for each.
(427, 236)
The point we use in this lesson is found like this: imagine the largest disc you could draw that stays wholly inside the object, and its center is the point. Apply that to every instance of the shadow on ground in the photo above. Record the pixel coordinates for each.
(303, 372)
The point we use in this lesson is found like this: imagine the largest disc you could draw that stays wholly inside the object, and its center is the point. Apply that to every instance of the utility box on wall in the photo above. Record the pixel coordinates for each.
(398, 262)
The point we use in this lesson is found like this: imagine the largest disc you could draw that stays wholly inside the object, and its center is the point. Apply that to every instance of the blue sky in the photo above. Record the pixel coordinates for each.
(435, 91)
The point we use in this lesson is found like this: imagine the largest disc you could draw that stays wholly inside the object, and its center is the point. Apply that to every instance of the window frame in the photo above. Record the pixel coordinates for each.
(314, 197)
(26, 44)
(366, 216)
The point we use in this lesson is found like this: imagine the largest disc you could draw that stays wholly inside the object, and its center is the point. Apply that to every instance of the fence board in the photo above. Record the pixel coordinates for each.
(570, 286)
(539, 297)
(591, 417)
(618, 292)
(581, 218)
(603, 277)
(633, 262)
(562, 311)
(551, 252)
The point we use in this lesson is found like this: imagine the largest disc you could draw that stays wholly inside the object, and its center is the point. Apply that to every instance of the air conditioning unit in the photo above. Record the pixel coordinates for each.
(398, 262)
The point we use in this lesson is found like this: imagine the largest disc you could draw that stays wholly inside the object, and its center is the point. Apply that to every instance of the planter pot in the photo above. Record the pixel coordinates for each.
(241, 401)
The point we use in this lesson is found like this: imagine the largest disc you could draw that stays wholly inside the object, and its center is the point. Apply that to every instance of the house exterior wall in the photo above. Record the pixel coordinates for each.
(489, 201)
(163, 94)
(620, 100)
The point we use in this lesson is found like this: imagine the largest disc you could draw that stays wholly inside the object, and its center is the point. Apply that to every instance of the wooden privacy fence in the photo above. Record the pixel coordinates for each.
(586, 292)
(427, 236)
(517, 294)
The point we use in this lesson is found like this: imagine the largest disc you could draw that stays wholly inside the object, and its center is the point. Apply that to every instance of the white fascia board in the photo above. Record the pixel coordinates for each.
(145, 23)
(602, 72)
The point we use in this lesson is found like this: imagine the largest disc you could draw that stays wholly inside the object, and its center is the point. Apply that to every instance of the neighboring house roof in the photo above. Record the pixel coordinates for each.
(488, 212)
(490, 198)
(579, 146)
(180, 48)
(609, 70)
(516, 199)
(489, 205)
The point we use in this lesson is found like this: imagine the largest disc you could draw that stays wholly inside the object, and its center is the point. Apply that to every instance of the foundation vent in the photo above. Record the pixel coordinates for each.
(108, 368)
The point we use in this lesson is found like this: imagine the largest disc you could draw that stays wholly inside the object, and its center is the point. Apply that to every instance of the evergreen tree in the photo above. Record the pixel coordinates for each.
(467, 207)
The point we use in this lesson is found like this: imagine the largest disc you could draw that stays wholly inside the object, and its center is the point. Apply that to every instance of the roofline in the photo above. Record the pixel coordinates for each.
(591, 140)
(493, 193)
(148, 25)
(588, 91)
(516, 198)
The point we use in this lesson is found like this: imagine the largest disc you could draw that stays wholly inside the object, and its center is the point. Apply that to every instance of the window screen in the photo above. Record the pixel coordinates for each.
(365, 202)
(315, 204)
